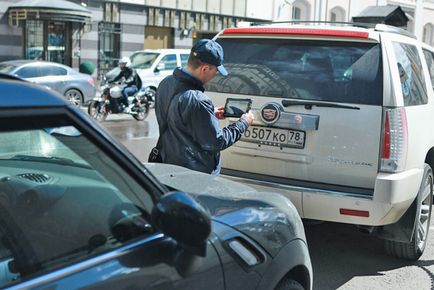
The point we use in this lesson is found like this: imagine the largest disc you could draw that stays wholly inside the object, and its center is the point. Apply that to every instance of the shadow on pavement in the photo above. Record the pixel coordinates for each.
(339, 252)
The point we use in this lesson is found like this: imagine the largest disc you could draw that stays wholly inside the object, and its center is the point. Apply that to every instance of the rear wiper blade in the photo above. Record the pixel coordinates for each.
(51, 159)
(308, 104)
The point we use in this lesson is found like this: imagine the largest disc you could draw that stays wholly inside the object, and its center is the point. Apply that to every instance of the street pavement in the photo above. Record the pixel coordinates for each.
(343, 258)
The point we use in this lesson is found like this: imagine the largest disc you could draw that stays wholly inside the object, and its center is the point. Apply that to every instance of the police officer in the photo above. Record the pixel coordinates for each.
(191, 134)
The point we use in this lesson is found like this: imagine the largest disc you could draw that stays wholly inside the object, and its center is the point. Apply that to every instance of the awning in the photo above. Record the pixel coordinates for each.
(388, 14)
(57, 10)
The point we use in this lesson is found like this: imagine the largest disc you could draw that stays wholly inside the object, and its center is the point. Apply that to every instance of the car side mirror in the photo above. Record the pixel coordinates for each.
(161, 66)
(182, 218)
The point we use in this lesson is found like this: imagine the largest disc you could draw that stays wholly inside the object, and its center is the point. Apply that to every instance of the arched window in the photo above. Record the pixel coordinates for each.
(337, 14)
(296, 13)
(301, 10)
(428, 30)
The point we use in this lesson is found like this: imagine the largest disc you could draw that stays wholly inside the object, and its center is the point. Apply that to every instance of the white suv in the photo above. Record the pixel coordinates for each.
(153, 65)
(343, 124)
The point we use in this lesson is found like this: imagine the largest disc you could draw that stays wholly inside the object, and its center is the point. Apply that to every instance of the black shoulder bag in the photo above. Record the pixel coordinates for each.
(155, 155)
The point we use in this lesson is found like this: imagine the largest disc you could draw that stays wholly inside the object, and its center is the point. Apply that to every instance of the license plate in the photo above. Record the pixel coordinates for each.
(275, 137)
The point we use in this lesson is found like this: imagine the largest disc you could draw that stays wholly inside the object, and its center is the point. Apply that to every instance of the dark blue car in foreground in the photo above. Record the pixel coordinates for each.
(78, 211)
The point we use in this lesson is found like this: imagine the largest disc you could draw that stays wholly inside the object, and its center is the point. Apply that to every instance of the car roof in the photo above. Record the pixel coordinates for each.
(427, 47)
(165, 50)
(315, 28)
(22, 62)
(17, 93)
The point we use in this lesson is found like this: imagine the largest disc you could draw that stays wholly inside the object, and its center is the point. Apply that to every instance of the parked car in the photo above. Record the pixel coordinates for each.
(77, 88)
(78, 210)
(343, 124)
(153, 65)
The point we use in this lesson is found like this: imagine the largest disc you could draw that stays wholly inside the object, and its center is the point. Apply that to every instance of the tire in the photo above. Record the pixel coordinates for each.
(140, 116)
(74, 97)
(415, 248)
(289, 284)
(96, 111)
(151, 92)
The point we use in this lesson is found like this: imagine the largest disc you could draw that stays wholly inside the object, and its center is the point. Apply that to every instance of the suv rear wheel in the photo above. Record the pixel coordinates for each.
(289, 284)
(414, 249)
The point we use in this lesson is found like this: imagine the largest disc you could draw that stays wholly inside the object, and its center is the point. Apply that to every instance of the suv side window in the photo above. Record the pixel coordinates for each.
(184, 60)
(410, 74)
(169, 62)
(63, 200)
(429, 56)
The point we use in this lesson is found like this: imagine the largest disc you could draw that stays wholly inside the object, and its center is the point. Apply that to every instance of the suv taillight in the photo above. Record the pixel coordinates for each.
(394, 148)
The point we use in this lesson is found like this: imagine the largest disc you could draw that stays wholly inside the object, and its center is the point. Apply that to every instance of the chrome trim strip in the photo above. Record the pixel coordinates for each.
(296, 188)
(80, 266)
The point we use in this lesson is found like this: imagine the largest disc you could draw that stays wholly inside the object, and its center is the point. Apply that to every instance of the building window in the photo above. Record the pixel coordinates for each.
(108, 45)
(296, 13)
(337, 14)
(111, 12)
(428, 34)
(34, 47)
(301, 10)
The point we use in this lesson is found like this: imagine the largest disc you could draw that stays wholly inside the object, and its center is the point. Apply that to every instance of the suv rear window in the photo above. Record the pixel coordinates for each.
(347, 72)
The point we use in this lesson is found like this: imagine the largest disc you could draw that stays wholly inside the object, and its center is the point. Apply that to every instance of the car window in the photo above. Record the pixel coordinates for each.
(7, 68)
(143, 60)
(30, 72)
(169, 62)
(429, 56)
(309, 70)
(410, 74)
(63, 200)
(184, 59)
(51, 70)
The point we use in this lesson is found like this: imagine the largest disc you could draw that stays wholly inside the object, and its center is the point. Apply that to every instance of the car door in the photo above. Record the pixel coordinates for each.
(54, 77)
(72, 216)
(166, 65)
(411, 83)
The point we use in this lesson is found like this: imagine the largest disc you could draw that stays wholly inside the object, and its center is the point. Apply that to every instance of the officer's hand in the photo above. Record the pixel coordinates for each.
(248, 117)
(218, 112)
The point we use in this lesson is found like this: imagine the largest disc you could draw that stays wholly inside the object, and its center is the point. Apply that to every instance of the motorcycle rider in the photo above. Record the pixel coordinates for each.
(131, 79)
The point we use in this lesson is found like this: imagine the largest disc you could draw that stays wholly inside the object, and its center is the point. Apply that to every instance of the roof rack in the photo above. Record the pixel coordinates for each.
(342, 23)
(394, 29)
(376, 26)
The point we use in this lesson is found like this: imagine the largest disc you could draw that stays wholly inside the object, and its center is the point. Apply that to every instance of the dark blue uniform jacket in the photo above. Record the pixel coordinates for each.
(193, 137)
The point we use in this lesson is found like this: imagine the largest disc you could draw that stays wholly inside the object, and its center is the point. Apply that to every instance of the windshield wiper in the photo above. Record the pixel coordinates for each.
(51, 159)
(308, 104)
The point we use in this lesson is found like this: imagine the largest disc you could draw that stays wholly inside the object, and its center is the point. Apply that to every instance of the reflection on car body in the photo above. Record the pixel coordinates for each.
(77, 210)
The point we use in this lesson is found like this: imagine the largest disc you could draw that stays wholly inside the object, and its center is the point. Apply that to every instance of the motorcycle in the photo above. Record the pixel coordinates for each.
(110, 103)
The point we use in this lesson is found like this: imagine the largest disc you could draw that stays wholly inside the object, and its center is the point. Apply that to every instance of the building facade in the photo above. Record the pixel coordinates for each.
(117, 28)
(102, 31)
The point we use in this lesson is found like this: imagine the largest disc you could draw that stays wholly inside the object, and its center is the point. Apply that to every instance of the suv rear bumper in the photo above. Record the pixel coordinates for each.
(392, 195)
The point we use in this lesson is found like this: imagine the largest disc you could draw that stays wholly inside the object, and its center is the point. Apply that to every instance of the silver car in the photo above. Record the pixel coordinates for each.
(77, 88)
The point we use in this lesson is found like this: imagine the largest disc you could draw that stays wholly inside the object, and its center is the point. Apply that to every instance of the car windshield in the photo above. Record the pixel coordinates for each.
(335, 71)
(143, 60)
(7, 68)
(59, 193)
(39, 145)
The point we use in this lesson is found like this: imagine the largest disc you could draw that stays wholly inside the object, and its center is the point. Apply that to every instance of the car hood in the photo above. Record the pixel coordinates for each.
(269, 218)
